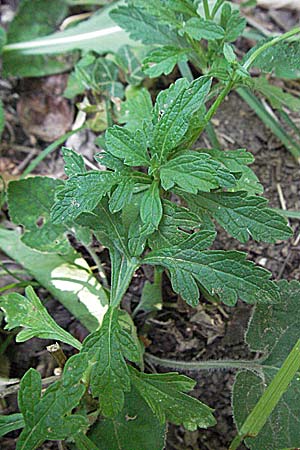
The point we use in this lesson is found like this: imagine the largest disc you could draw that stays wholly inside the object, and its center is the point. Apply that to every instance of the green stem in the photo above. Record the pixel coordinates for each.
(18, 285)
(269, 44)
(213, 109)
(270, 398)
(206, 365)
(47, 151)
(206, 9)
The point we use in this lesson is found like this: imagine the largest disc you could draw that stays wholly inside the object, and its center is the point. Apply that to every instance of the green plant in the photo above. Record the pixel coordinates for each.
(204, 33)
(154, 205)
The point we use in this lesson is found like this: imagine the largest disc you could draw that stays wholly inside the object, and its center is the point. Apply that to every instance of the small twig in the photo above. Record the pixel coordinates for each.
(18, 169)
(98, 262)
(90, 164)
(281, 196)
(16, 387)
(56, 351)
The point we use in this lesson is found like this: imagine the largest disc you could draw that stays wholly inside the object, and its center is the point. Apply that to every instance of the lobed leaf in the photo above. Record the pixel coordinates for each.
(241, 216)
(81, 193)
(74, 162)
(49, 417)
(136, 109)
(107, 349)
(223, 273)
(195, 172)
(174, 226)
(199, 28)
(165, 395)
(176, 112)
(237, 161)
(142, 26)
(163, 60)
(124, 144)
(29, 312)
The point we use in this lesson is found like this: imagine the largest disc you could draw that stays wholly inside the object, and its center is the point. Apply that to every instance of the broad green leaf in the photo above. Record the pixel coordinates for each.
(30, 202)
(151, 207)
(175, 116)
(30, 314)
(68, 278)
(272, 331)
(136, 109)
(165, 394)
(49, 417)
(174, 227)
(163, 60)
(195, 172)
(10, 423)
(134, 428)
(46, 20)
(224, 273)
(241, 216)
(81, 193)
(107, 349)
(143, 26)
(74, 162)
(199, 28)
(282, 59)
(126, 145)
(237, 161)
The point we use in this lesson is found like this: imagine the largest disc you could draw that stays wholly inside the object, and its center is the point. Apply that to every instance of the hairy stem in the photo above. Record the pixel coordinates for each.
(215, 106)
(206, 365)
(269, 44)
(13, 389)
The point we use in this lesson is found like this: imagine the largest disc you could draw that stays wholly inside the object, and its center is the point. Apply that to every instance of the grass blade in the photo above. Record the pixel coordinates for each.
(270, 122)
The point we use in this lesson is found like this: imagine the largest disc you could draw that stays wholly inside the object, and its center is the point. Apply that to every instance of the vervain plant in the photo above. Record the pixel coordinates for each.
(154, 204)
